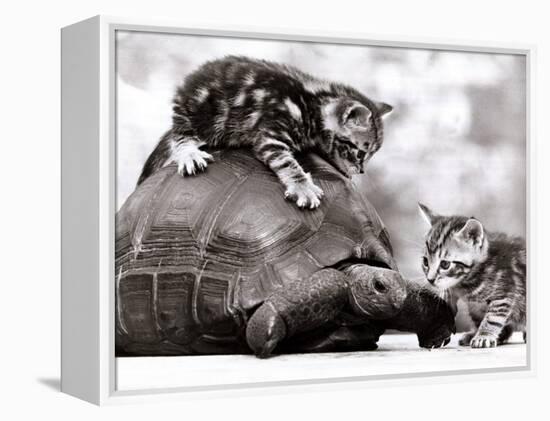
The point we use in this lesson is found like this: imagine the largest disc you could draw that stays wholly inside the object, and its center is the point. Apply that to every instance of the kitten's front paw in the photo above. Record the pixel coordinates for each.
(190, 159)
(484, 340)
(305, 193)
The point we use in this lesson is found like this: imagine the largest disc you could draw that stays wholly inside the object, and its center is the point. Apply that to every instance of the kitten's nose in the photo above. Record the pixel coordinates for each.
(431, 280)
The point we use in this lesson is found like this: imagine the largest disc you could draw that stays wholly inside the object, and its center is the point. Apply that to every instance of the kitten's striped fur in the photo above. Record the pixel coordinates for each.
(275, 109)
(488, 270)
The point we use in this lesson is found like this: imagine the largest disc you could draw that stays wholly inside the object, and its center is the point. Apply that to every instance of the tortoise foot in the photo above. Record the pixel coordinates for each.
(300, 307)
(265, 330)
(436, 338)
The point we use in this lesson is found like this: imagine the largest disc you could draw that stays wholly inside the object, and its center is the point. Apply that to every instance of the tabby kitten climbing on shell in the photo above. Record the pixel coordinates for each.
(487, 270)
(276, 110)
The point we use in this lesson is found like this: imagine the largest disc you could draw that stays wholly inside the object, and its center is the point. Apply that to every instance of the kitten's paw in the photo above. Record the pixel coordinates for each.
(305, 193)
(360, 251)
(484, 340)
(189, 158)
(466, 339)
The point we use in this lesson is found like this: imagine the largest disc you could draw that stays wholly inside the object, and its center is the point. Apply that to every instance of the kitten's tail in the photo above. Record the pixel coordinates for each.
(158, 157)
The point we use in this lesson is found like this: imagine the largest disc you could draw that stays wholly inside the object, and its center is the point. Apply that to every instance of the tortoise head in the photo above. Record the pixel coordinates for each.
(375, 292)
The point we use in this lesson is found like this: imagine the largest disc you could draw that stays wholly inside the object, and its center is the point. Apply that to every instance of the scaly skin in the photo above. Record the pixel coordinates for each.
(425, 314)
(335, 325)
(318, 301)
(304, 305)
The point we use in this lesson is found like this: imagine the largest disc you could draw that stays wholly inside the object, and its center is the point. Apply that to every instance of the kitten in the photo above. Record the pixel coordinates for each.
(487, 270)
(275, 109)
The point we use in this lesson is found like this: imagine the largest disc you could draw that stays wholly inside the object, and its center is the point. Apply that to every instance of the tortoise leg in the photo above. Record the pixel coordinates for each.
(299, 307)
(425, 314)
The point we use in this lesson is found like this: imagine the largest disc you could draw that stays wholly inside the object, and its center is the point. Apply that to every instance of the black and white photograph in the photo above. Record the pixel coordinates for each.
(359, 208)
(310, 211)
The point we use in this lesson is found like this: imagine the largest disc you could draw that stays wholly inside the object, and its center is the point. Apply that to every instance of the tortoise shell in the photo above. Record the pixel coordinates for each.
(196, 255)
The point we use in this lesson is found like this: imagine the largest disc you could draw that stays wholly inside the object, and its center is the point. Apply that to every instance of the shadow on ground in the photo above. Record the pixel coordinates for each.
(52, 383)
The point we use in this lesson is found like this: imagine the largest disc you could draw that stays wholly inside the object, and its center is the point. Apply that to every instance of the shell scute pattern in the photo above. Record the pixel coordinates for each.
(209, 259)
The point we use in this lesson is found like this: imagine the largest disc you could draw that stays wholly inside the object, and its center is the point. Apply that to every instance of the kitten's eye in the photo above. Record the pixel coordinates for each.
(354, 115)
(425, 261)
(445, 264)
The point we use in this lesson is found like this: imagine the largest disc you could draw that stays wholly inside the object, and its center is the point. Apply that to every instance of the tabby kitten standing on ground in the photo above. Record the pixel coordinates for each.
(487, 270)
(278, 111)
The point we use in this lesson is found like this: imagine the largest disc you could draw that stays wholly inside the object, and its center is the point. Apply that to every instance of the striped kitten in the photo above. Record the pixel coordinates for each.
(487, 270)
(276, 110)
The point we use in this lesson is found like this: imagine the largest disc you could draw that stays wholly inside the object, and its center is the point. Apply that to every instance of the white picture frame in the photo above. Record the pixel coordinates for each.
(88, 211)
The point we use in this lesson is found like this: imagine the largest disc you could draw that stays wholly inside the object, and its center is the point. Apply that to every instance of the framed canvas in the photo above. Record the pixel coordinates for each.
(222, 230)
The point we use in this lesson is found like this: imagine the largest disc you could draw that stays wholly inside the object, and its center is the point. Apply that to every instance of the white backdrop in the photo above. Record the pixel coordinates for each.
(30, 211)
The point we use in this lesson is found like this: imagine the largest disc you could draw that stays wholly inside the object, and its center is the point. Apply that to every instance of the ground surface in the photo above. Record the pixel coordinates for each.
(397, 354)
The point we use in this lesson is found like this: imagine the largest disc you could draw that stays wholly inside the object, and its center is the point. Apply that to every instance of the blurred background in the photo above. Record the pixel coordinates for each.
(456, 140)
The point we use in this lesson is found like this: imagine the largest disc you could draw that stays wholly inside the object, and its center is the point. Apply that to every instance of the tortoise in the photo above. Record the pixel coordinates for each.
(221, 263)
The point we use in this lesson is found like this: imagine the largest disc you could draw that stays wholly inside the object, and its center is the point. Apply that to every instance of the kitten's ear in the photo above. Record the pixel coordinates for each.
(384, 109)
(472, 232)
(427, 214)
(356, 114)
